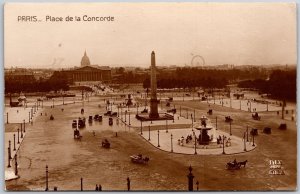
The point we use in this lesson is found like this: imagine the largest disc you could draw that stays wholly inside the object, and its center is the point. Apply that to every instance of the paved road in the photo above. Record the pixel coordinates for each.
(51, 143)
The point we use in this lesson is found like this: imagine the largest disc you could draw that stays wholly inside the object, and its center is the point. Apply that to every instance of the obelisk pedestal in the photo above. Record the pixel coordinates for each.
(153, 101)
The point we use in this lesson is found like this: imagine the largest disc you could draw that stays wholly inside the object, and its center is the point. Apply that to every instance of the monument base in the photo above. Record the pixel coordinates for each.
(161, 116)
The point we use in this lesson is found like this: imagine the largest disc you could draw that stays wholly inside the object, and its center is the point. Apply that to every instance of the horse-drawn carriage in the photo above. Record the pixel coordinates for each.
(255, 116)
(173, 110)
(96, 117)
(110, 121)
(145, 110)
(210, 112)
(74, 124)
(105, 144)
(111, 113)
(228, 119)
(77, 134)
(139, 159)
(267, 130)
(81, 122)
(90, 119)
(235, 165)
(254, 132)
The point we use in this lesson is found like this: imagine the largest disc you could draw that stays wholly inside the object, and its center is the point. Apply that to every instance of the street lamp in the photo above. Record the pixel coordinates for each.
(247, 134)
(230, 127)
(149, 134)
(245, 142)
(171, 142)
(18, 135)
(141, 127)
(158, 138)
(216, 123)
(125, 115)
(166, 126)
(46, 178)
(253, 140)
(121, 113)
(14, 142)
(129, 117)
(195, 143)
(223, 146)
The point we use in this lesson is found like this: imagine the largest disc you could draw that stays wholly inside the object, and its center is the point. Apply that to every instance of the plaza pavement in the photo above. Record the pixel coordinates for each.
(181, 128)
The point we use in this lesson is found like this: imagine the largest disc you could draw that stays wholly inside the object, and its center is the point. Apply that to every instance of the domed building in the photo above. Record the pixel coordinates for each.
(85, 61)
(87, 72)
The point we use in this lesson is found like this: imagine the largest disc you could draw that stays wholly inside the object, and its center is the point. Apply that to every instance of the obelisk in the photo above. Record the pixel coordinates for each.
(153, 101)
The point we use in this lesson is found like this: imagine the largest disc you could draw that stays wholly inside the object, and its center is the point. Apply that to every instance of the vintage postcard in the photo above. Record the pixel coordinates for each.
(150, 96)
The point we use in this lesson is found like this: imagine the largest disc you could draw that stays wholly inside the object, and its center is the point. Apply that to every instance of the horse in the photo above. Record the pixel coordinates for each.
(243, 163)
(146, 159)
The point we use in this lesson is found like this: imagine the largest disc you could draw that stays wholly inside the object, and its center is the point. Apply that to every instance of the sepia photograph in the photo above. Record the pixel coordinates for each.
(150, 96)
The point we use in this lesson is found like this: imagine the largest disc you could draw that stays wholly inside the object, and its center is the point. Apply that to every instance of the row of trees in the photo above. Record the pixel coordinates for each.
(188, 83)
(191, 75)
(57, 82)
(281, 84)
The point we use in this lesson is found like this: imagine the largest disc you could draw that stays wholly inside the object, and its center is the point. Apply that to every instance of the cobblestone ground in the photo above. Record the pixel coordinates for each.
(51, 143)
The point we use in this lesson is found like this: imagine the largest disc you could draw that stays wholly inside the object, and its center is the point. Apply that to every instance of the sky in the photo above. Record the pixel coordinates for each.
(221, 33)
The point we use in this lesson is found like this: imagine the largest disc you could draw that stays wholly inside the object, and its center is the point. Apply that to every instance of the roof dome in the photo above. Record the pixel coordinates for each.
(85, 61)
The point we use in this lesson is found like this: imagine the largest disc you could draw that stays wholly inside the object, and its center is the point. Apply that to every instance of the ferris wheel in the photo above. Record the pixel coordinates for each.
(197, 60)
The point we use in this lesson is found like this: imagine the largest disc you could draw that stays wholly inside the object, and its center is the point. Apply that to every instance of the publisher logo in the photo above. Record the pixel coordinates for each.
(276, 167)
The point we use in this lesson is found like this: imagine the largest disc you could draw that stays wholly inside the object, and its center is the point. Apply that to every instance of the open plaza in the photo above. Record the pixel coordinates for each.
(51, 142)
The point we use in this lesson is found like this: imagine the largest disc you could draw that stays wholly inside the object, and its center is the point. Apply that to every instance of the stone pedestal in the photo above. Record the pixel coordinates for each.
(154, 108)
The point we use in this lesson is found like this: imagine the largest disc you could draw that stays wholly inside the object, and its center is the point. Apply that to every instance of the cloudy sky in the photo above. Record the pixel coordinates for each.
(222, 33)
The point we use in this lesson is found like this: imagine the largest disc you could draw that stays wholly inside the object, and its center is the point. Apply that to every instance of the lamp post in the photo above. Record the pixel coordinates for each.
(141, 127)
(180, 110)
(129, 117)
(171, 142)
(16, 165)
(46, 178)
(29, 117)
(195, 143)
(158, 138)
(190, 179)
(7, 117)
(230, 127)
(192, 121)
(149, 134)
(118, 111)
(166, 126)
(14, 142)
(24, 125)
(253, 140)
(125, 115)
(21, 133)
(245, 142)
(8, 152)
(223, 145)
(247, 134)
(194, 115)
(121, 113)
(216, 123)
(18, 136)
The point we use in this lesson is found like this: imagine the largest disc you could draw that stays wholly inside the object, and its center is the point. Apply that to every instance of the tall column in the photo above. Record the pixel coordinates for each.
(153, 100)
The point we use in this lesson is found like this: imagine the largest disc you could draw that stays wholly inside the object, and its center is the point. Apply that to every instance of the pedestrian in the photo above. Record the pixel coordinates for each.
(100, 188)
(97, 189)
